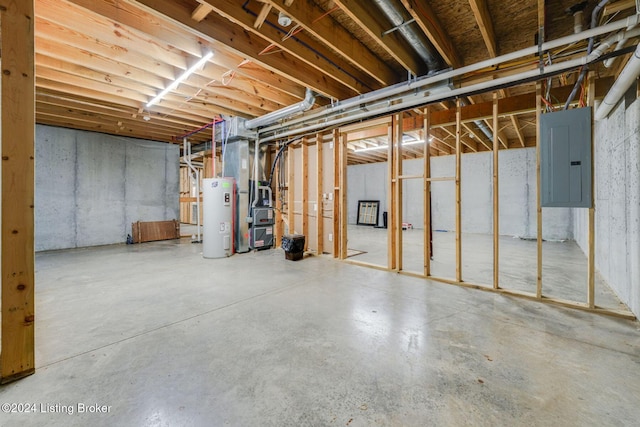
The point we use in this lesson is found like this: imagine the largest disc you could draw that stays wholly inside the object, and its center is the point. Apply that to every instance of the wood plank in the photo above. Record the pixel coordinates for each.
(336, 194)
(309, 16)
(496, 198)
(320, 193)
(458, 192)
(277, 178)
(290, 190)
(166, 32)
(428, 21)
(201, 12)
(391, 194)
(538, 191)
(343, 195)
(396, 125)
(229, 36)
(264, 12)
(427, 192)
(305, 191)
(151, 231)
(17, 305)
(393, 43)
(300, 45)
(485, 25)
(591, 252)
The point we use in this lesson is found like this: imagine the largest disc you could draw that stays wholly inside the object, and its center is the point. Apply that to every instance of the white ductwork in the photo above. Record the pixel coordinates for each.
(274, 116)
(626, 78)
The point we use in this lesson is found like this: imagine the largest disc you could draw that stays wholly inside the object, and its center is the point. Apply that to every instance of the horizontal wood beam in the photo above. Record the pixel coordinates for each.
(230, 36)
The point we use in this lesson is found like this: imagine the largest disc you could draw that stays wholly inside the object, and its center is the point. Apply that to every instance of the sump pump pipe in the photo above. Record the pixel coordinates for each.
(186, 150)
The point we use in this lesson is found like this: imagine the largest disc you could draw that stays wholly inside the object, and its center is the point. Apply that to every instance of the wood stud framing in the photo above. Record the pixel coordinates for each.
(538, 191)
(397, 183)
(458, 193)
(496, 198)
(427, 192)
(320, 193)
(305, 191)
(17, 353)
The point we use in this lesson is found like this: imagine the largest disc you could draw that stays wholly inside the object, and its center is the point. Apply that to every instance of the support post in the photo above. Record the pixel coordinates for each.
(427, 192)
(391, 201)
(343, 196)
(305, 191)
(496, 188)
(320, 194)
(17, 355)
(397, 180)
(458, 192)
(278, 227)
(336, 194)
(591, 255)
(291, 217)
(538, 189)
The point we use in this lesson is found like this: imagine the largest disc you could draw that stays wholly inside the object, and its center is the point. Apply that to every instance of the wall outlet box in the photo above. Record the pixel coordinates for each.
(331, 237)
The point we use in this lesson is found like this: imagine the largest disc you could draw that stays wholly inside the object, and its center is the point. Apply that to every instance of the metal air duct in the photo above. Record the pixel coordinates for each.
(417, 40)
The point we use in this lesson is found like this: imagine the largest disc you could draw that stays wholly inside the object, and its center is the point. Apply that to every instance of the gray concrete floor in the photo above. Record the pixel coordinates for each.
(564, 272)
(164, 337)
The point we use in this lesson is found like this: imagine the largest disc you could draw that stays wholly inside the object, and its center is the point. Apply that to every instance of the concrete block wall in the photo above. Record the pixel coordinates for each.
(517, 177)
(617, 202)
(90, 186)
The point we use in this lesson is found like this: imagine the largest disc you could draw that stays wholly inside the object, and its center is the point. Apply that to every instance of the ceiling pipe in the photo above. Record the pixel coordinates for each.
(274, 116)
(577, 10)
(626, 78)
(415, 39)
(424, 82)
(389, 107)
(583, 73)
(480, 124)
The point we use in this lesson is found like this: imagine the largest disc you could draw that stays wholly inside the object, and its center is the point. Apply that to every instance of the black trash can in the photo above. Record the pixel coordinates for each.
(293, 245)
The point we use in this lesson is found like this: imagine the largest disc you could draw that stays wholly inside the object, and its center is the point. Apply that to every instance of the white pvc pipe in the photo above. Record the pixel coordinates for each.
(186, 151)
(408, 87)
(628, 75)
(423, 100)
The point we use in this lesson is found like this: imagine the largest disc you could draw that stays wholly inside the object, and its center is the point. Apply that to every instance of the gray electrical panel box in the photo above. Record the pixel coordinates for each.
(565, 158)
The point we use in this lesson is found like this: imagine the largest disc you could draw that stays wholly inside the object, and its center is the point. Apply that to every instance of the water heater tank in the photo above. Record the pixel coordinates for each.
(218, 202)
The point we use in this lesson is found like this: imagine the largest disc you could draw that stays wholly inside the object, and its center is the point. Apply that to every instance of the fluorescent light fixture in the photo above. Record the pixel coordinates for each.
(380, 147)
(180, 79)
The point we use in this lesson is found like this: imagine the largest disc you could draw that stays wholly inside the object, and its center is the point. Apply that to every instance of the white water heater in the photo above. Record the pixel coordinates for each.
(218, 205)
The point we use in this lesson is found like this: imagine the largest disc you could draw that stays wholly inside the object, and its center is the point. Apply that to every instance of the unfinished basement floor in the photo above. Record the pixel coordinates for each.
(163, 337)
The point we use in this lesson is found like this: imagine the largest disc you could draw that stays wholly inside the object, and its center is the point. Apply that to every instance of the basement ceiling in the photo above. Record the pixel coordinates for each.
(98, 63)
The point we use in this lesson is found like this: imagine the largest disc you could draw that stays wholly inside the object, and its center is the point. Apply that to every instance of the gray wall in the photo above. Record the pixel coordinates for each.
(517, 194)
(90, 186)
(617, 202)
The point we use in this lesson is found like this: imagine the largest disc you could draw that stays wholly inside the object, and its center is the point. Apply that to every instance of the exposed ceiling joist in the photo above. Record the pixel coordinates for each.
(393, 43)
(485, 25)
(428, 21)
